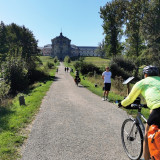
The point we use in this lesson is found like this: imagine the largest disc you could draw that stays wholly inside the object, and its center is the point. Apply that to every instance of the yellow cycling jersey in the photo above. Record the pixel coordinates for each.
(149, 88)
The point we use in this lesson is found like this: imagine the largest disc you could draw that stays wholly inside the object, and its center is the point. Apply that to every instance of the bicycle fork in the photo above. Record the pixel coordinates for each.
(132, 135)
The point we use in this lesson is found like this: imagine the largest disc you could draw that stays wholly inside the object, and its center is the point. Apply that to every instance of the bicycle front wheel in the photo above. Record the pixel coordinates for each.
(132, 139)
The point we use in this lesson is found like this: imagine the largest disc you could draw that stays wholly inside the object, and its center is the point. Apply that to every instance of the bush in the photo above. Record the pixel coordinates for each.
(90, 74)
(15, 74)
(50, 65)
(118, 83)
(67, 59)
(37, 75)
(123, 67)
(85, 68)
(4, 89)
(55, 59)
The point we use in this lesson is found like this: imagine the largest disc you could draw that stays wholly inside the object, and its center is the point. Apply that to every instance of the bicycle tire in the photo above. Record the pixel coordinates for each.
(135, 140)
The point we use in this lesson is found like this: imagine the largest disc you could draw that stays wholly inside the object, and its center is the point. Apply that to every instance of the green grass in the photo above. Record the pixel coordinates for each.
(46, 59)
(14, 119)
(98, 90)
(100, 62)
(91, 86)
(113, 96)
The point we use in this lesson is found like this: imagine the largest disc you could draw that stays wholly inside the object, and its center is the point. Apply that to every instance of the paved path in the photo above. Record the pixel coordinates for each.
(75, 124)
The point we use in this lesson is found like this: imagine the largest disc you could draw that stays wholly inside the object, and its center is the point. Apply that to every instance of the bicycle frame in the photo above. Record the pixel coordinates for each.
(138, 118)
(139, 121)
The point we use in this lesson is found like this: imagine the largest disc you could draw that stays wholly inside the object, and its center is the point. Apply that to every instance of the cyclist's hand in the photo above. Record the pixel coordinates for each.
(119, 105)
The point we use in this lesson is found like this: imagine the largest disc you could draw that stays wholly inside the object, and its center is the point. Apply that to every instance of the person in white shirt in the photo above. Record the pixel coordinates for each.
(106, 76)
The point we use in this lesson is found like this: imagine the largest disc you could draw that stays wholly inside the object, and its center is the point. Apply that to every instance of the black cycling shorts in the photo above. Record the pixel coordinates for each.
(107, 86)
(154, 117)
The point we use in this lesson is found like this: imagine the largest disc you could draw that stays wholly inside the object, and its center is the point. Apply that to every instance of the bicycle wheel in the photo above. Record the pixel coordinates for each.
(132, 139)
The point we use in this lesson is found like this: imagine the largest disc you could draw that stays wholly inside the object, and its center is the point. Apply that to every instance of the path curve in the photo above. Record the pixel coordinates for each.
(75, 124)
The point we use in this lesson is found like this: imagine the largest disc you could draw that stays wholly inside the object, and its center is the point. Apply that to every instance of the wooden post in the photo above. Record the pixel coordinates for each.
(21, 100)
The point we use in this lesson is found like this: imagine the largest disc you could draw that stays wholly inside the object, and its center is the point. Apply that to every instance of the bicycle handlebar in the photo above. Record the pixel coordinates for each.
(137, 106)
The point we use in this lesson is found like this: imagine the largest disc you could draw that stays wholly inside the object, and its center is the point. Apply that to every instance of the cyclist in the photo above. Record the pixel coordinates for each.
(149, 87)
(77, 78)
(77, 73)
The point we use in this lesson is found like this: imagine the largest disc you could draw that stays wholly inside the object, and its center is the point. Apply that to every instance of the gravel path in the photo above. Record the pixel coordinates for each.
(75, 124)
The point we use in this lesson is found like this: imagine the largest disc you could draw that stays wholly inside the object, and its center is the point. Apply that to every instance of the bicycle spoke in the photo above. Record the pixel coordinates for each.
(131, 139)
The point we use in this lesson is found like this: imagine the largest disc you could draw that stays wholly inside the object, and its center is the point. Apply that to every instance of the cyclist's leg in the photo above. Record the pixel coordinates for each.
(145, 144)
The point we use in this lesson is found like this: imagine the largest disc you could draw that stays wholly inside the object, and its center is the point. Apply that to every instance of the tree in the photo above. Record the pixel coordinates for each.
(24, 38)
(133, 25)
(67, 59)
(101, 49)
(14, 71)
(134, 16)
(151, 29)
(113, 18)
(3, 41)
(18, 50)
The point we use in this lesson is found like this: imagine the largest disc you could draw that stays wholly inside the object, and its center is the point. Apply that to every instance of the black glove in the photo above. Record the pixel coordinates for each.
(119, 105)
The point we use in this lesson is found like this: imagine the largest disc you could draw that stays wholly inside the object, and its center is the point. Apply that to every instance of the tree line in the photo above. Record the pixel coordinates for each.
(138, 21)
(18, 56)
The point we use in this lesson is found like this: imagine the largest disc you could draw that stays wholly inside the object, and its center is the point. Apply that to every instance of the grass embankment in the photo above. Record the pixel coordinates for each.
(14, 118)
(115, 94)
(99, 62)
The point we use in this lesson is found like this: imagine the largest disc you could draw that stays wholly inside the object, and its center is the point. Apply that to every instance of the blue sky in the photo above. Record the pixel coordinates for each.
(79, 20)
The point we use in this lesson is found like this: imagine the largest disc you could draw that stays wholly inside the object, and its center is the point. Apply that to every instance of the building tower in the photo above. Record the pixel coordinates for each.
(61, 47)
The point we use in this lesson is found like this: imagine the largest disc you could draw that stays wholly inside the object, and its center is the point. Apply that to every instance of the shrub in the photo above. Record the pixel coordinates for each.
(55, 59)
(67, 59)
(37, 75)
(15, 74)
(118, 83)
(85, 68)
(90, 74)
(50, 65)
(4, 90)
(123, 67)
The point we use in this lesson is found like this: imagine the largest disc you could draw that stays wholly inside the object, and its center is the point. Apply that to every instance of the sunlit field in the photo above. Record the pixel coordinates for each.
(100, 62)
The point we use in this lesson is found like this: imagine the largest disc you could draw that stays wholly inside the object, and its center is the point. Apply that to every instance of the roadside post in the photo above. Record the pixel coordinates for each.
(21, 100)
(127, 81)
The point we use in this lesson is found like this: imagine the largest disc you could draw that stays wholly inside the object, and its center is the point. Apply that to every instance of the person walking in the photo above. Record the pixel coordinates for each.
(67, 69)
(106, 76)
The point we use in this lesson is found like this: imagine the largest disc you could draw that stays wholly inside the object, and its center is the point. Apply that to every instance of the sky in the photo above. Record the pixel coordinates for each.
(79, 20)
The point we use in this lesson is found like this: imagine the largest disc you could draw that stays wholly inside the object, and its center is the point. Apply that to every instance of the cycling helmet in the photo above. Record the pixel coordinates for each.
(151, 70)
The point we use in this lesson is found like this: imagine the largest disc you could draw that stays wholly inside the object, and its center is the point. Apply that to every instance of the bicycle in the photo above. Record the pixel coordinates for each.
(77, 80)
(132, 133)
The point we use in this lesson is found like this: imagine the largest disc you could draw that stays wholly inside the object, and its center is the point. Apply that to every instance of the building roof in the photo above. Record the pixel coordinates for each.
(61, 37)
(48, 46)
(87, 47)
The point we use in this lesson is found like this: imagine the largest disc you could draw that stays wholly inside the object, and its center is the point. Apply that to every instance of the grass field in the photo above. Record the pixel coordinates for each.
(14, 118)
(46, 59)
(100, 62)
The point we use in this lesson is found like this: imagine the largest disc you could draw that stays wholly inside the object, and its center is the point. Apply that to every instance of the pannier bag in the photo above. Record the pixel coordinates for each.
(154, 142)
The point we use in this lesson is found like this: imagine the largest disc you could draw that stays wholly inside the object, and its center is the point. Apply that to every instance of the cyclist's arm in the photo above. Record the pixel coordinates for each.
(135, 92)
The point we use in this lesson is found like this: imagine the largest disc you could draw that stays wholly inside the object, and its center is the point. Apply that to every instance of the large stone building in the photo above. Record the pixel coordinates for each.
(61, 46)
